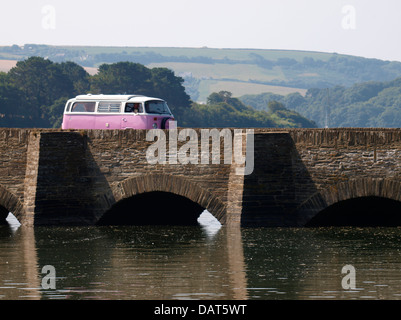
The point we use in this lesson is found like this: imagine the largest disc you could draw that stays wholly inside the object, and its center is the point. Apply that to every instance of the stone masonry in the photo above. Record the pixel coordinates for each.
(60, 177)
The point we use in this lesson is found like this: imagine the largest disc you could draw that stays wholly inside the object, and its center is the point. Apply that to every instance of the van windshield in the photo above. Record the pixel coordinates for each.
(156, 106)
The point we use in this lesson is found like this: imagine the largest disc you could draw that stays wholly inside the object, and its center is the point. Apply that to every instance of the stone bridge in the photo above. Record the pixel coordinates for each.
(300, 177)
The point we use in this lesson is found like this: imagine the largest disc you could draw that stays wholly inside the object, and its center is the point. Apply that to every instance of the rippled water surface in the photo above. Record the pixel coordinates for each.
(198, 262)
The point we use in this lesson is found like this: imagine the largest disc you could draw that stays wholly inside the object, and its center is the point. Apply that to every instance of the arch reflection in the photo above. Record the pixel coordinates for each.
(123, 262)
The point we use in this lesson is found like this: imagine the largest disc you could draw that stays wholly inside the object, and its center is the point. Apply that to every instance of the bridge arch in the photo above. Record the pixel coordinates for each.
(163, 186)
(388, 191)
(10, 203)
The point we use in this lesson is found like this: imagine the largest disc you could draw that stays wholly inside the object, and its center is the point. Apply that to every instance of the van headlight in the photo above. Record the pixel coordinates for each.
(154, 126)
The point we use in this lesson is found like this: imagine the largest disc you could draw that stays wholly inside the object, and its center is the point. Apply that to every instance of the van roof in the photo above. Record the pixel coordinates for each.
(114, 97)
(122, 97)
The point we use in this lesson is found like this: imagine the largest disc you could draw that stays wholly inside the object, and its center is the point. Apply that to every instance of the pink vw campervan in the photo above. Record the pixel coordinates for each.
(116, 112)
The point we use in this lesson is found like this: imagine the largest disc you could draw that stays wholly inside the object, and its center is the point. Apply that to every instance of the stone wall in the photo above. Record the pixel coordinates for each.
(319, 165)
(74, 177)
(347, 163)
(13, 159)
(13, 146)
(118, 161)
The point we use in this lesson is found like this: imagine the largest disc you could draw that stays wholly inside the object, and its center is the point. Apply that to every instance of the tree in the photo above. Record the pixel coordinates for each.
(275, 106)
(122, 78)
(223, 110)
(225, 97)
(41, 82)
(77, 75)
(54, 113)
(169, 87)
(222, 96)
(13, 108)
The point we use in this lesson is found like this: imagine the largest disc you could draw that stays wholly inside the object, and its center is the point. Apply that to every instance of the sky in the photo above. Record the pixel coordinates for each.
(367, 28)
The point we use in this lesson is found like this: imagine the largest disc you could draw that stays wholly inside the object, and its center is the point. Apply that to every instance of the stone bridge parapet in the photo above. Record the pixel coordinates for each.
(60, 177)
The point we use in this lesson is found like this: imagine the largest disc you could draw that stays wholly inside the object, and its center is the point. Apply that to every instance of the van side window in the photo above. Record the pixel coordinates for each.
(105, 106)
(133, 107)
(68, 107)
(83, 107)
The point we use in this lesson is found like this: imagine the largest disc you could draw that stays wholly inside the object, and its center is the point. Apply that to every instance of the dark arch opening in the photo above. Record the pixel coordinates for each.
(3, 215)
(153, 208)
(360, 212)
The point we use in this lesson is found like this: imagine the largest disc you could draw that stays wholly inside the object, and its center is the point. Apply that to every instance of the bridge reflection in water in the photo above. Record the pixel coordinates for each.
(208, 261)
(123, 262)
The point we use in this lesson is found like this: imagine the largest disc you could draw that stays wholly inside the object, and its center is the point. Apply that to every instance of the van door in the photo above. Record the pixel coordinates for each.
(133, 117)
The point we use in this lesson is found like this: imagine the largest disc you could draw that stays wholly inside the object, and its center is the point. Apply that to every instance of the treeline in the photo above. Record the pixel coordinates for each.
(368, 104)
(337, 70)
(34, 93)
(223, 110)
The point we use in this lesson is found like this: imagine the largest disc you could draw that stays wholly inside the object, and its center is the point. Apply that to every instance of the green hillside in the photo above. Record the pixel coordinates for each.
(240, 71)
(367, 104)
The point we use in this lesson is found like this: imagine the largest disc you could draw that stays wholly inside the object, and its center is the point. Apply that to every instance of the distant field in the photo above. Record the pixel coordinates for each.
(237, 54)
(6, 65)
(230, 77)
(239, 89)
(205, 72)
(243, 72)
(240, 71)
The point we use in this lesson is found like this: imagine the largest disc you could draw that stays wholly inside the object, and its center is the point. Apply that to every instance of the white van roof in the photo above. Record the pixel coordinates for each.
(122, 97)
(113, 97)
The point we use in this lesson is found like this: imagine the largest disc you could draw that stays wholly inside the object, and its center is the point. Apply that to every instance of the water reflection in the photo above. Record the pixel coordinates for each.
(307, 263)
(209, 224)
(13, 223)
(18, 263)
(205, 262)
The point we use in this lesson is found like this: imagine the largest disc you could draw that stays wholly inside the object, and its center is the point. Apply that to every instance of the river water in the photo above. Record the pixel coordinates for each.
(198, 262)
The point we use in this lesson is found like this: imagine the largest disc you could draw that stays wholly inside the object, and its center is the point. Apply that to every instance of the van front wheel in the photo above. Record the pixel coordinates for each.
(164, 122)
